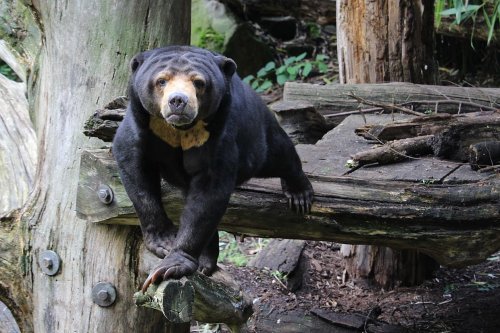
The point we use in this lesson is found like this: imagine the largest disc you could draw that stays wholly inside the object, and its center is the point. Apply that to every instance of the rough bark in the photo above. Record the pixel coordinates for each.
(336, 98)
(455, 223)
(82, 58)
(382, 41)
(17, 143)
(17, 169)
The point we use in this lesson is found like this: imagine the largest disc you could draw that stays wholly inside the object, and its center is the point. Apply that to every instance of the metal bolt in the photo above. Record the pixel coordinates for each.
(49, 262)
(104, 294)
(105, 194)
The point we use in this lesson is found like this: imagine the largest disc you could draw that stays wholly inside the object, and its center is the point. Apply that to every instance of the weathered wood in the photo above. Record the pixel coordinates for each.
(357, 322)
(17, 145)
(300, 120)
(436, 219)
(104, 122)
(394, 151)
(81, 58)
(334, 98)
(218, 299)
(449, 136)
(401, 41)
(484, 154)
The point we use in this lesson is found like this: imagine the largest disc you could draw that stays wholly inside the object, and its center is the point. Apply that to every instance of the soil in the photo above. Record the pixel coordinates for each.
(455, 300)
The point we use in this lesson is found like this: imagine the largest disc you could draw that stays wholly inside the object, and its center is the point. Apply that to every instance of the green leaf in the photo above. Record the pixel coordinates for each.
(301, 56)
(307, 69)
(255, 84)
(262, 72)
(270, 66)
(264, 86)
(248, 78)
(322, 57)
(281, 79)
(292, 70)
(290, 60)
(281, 70)
(322, 67)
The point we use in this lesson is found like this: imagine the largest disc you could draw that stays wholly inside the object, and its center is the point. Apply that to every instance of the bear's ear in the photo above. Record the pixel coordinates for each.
(136, 61)
(227, 65)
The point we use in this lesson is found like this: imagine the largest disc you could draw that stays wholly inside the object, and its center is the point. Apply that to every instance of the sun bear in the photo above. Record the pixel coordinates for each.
(194, 123)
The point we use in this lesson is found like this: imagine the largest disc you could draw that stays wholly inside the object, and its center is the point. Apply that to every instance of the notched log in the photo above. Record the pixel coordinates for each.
(218, 299)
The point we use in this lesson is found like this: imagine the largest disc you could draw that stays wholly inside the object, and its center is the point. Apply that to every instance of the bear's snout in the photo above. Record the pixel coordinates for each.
(177, 102)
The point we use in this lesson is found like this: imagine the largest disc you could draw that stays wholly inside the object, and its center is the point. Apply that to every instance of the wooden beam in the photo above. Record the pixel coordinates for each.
(457, 224)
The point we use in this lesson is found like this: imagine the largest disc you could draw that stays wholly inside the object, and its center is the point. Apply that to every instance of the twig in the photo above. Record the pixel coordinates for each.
(450, 101)
(347, 113)
(385, 106)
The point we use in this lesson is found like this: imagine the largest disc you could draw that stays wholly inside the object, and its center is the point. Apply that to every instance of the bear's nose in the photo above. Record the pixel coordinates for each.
(177, 101)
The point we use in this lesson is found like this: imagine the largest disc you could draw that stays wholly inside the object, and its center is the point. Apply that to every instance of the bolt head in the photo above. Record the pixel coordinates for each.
(47, 262)
(103, 295)
(105, 194)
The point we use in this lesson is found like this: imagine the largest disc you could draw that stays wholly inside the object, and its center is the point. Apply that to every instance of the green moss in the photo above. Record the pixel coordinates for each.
(211, 39)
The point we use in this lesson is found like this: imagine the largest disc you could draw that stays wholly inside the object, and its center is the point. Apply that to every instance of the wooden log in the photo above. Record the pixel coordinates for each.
(447, 136)
(218, 299)
(334, 98)
(457, 224)
(484, 154)
(395, 151)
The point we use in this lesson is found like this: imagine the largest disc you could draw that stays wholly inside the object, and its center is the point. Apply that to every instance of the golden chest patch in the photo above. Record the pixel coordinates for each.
(195, 136)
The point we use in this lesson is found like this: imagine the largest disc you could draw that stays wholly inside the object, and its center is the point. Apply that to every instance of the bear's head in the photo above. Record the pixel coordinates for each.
(181, 84)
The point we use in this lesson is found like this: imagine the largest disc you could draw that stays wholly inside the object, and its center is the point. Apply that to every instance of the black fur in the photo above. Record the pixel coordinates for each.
(245, 141)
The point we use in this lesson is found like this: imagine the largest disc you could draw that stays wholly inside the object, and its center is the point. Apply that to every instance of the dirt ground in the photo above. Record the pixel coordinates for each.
(455, 300)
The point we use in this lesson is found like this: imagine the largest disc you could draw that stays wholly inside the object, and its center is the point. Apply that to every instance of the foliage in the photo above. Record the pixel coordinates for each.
(313, 30)
(211, 39)
(292, 68)
(238, 253)
(6, 71)
(463, 11)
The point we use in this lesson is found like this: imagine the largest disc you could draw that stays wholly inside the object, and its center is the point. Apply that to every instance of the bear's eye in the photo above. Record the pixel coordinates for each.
(161, 82)
(199, 84)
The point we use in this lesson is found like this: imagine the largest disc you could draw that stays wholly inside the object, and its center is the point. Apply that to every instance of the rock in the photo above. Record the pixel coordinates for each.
(301, 121)
(253, 56)
(284, 256)
(255, 9)
(282, 27)
(215, 27)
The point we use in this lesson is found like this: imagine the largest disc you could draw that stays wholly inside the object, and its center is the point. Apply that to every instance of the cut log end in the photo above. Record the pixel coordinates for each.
(218, 299)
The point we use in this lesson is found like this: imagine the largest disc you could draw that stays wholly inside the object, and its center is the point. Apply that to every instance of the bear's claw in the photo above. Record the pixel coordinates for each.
(176, 265)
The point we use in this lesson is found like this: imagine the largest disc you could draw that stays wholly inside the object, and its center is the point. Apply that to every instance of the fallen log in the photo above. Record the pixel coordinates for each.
(457, 224)
(455, 137)
(335, 98)
(218, 299)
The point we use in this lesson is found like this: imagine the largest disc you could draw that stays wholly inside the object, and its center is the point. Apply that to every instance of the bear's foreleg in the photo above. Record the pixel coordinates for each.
(206, 202)
(142, 183)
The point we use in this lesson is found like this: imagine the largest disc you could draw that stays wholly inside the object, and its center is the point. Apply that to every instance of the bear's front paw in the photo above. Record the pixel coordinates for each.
(300, 198)
(159, 240)
(208, 264)
(176, 265)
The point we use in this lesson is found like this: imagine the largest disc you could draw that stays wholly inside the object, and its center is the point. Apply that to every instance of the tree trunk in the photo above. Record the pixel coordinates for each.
(381, 41)
(83, 58)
